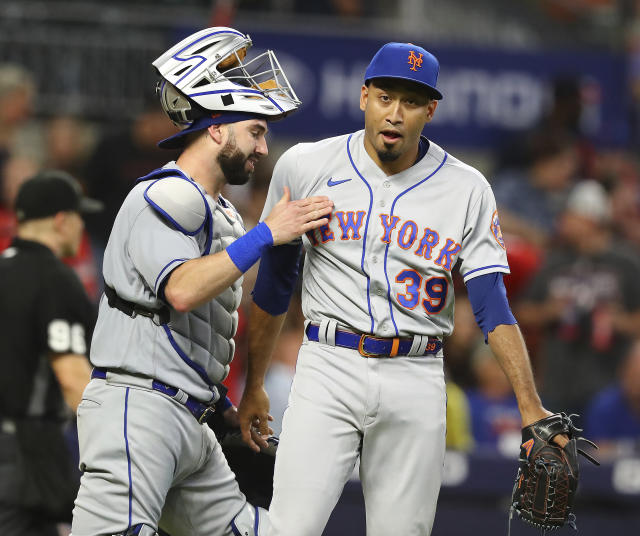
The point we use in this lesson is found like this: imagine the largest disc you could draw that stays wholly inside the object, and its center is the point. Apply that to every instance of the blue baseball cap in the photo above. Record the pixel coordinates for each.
(214, 118)
(407, 62)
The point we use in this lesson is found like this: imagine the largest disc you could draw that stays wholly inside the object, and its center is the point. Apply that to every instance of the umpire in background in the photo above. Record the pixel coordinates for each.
(46, 321)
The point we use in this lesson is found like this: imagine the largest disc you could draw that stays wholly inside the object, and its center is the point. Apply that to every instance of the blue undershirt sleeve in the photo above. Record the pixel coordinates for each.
(489, 302)
(277, 276)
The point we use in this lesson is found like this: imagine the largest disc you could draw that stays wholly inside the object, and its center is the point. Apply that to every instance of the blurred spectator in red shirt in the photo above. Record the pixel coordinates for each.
(13, 173)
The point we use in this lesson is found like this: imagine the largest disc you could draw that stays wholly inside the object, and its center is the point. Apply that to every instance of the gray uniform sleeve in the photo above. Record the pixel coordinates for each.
(483, 250)
(156, 248)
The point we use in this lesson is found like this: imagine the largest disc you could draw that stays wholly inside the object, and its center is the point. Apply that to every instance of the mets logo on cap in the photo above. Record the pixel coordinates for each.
(495, 229)
(415, 61)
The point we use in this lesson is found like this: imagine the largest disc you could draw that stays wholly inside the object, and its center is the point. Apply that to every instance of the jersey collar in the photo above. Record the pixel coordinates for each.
(29, 245)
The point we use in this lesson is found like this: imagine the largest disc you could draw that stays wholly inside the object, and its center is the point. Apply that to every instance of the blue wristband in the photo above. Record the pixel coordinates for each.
(247, 249)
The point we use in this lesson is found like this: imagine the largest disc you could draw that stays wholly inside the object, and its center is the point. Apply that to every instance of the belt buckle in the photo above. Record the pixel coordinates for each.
(363, 352)
(361, 349)
(209, 410)
(395, 341)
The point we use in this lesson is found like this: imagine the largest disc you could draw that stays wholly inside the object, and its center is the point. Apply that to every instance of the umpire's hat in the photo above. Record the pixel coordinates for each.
(50, 192)
(407, 62)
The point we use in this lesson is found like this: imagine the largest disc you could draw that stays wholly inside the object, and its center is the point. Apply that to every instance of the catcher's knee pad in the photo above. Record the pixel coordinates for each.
(251, 521)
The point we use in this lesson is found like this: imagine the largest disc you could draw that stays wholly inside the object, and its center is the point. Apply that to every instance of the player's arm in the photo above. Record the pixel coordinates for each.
(488, 298)
(73, 374)
(65, 320)
(274, 286)
(508, 346)
(198, 281)
(253, 411)
(272, 293)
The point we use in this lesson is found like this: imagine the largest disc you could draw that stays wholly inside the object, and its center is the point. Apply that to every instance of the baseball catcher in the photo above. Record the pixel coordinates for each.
(548, 474)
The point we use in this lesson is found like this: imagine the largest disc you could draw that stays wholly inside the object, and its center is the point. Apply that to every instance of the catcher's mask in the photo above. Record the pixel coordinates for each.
(207, 72)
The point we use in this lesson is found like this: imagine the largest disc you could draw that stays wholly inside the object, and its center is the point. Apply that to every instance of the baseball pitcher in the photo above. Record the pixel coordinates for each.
(378, 299)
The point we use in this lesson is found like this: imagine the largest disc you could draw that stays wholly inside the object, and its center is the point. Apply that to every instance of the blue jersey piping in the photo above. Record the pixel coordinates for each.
(366, 229)
(386, 251)
(155, 286)
(126, 442)
(484, 268)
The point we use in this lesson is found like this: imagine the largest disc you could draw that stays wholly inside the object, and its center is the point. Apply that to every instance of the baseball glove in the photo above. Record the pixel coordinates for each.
(548, 475)
(253, 470)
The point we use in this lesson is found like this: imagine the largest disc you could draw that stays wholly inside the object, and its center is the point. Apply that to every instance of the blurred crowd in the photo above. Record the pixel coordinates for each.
(570, 215)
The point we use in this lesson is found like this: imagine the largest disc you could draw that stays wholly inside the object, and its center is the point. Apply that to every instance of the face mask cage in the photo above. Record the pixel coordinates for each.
(262, 74)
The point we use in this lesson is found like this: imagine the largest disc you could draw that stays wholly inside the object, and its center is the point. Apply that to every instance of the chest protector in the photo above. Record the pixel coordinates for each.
(202, 337)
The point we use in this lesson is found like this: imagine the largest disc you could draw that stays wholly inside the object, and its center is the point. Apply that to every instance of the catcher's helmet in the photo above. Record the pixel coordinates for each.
(207, 72)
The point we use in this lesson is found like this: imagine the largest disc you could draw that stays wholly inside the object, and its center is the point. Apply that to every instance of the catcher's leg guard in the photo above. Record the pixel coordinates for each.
(139, 530)
(251, 521)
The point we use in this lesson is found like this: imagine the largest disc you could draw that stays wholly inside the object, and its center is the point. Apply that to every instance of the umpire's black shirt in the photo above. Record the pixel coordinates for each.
(43, 310)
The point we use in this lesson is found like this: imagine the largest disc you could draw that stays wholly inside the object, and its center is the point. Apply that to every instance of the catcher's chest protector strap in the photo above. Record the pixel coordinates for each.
(158, 316)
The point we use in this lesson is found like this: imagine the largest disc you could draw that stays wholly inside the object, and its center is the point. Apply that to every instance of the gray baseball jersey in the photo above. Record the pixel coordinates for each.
(383, 263)
(193, 351)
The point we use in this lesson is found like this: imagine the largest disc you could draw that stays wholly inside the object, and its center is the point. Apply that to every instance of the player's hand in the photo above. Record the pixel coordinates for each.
(529, 418)
(290, 219)
(232, 420)
(254, 417)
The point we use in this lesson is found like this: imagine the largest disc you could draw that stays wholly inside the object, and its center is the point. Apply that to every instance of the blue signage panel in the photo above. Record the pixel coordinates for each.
(488, 94)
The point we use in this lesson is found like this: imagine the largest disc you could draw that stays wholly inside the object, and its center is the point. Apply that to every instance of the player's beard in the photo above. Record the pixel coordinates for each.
(233, 163)
(387, 154)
